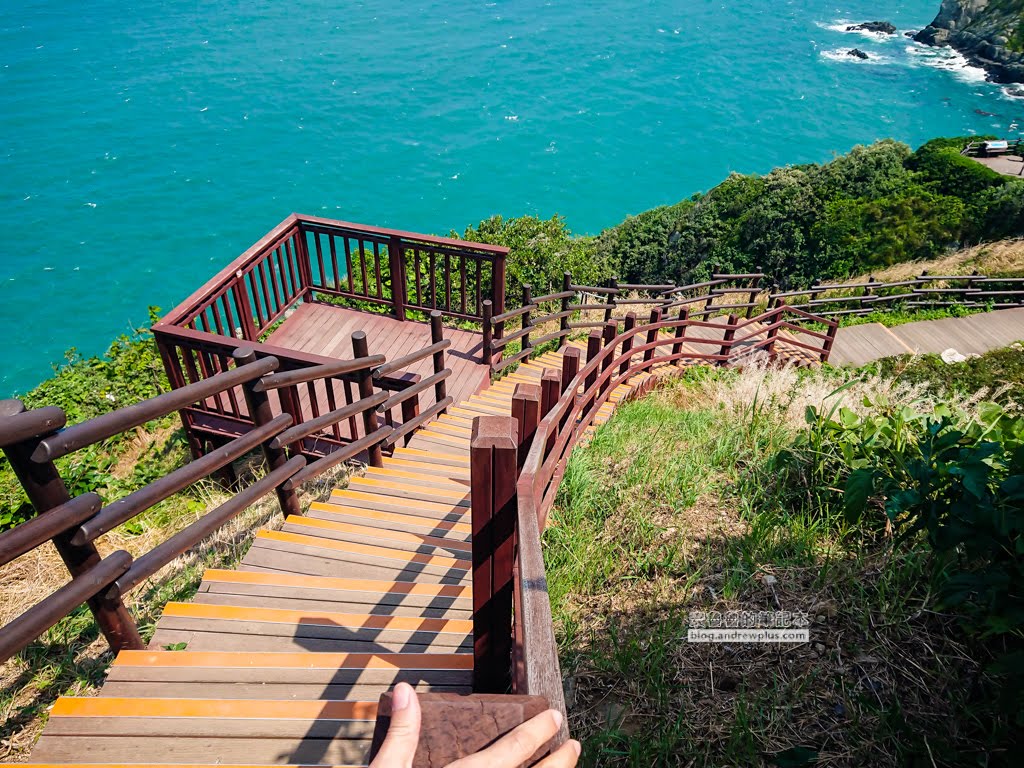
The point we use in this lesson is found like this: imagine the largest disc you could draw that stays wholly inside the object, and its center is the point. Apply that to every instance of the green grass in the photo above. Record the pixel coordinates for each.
(1001, 369)
(673, 507)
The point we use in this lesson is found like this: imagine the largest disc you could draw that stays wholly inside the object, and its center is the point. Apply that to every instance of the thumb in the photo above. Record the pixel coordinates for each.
(399, 745)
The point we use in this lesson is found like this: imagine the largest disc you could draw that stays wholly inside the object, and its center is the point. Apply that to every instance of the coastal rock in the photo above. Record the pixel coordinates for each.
(857, 52)
(882, 27)
(990, 34)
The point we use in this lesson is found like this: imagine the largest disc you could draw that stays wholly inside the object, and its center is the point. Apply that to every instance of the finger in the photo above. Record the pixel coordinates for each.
(563, 757)
(399, 745)
(517, 745)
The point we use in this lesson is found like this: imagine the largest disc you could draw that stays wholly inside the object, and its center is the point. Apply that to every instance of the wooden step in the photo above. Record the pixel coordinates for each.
(283, 676)
(315, 556)
(433, 510)
(253, 629)
(395, 521)
(415, 477)
(418, 465)
(362, 534)
(212, 731)
(390, 487)
(433, 457)
(391, 598)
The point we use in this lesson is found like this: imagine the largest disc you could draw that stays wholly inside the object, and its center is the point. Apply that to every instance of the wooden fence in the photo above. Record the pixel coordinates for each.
(517, 463)
(924, 291)
(299, 258)
(575, 309)
(33, 440)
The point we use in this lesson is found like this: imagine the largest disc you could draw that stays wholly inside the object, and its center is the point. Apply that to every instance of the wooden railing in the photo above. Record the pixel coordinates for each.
(517, 463)
(403, 270)
(924, 291)
(579, 308)
(33, 440)
(299, 258)
(386, 267)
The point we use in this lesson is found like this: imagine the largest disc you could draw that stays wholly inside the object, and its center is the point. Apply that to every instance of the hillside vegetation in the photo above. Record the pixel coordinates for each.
(887, 509)
(875, 207)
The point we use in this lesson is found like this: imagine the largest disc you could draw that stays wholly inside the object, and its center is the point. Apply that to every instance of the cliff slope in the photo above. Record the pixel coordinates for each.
(989, 32)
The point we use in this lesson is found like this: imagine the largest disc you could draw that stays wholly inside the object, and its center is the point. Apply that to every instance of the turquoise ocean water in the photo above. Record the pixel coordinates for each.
(143, 145)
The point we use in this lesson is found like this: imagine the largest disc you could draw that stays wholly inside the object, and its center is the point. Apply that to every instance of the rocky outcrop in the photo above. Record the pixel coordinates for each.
(857, 52)
(883, 27)
(990, 33)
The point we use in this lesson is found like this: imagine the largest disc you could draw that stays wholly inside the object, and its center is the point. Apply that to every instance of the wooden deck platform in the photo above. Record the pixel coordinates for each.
(326, 329)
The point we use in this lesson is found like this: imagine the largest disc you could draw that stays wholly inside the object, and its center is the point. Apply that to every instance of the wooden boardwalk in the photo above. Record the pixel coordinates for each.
(975, 334)
(282, 660)
(326, 330)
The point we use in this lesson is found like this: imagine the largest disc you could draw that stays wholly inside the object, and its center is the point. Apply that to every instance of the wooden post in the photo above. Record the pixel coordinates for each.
(261, 413)
(360, 348)
(563, 322)
(550, 390)
(627, 344)
(677, 346)
(773, 299)
(493, 474)
(611, 329)
(815, 294)
(485, 352)
(437, 335)
(773, 332)
(526, 402)
(527, 324)
(570, 364)
(652, 335)
(498, 284)
(593, 348)
(305, 270)
(46, 490)
(755, 288)
(613, 283)
(727, 337)
(244, 307)
(396, 265)
(826, 349)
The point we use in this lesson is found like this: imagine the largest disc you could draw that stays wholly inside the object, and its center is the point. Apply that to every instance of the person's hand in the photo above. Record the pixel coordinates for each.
(511, 750)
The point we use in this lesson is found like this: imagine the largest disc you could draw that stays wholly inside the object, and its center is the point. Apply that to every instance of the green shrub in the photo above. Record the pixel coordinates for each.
(541, 252)
(956, 480)
(84, 388)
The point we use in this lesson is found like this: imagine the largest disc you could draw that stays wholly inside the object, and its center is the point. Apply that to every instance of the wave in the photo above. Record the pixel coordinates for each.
(947, 59)
(843, 54)
(840, 25)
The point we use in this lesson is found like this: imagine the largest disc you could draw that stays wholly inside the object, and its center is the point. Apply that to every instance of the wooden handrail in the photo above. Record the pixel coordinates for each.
(162, 554)
(129, 417)
(40, 617)
(124, 509)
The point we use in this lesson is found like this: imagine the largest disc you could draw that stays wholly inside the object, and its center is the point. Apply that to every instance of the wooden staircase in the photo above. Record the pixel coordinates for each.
(282, 661)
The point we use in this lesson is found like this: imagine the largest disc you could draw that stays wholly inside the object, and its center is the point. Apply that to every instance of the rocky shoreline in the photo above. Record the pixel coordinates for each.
(989, 33)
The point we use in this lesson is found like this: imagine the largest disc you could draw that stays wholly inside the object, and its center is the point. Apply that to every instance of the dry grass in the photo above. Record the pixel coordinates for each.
(72, 658)
(1002, 257)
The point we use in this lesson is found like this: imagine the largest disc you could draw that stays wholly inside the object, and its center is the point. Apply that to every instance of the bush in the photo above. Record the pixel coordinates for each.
(956, 480)
(84, 388)
(541, 252)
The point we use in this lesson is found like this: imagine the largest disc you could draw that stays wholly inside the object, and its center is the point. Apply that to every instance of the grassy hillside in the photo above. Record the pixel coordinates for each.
(724, 492)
